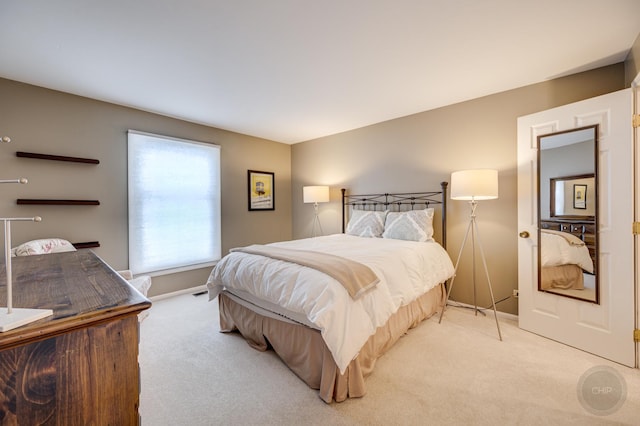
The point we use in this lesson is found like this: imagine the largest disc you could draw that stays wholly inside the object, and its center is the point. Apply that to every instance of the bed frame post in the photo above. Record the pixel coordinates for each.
(343, 190)
(444, 186)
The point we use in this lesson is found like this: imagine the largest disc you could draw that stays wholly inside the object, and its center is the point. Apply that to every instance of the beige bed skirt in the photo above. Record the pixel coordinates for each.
(305, 353)
(563, 276)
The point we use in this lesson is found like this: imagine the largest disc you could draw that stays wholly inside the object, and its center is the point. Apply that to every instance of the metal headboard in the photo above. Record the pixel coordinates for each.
(398, 202)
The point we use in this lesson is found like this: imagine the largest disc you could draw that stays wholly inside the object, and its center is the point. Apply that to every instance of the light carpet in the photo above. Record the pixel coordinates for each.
(456, 372)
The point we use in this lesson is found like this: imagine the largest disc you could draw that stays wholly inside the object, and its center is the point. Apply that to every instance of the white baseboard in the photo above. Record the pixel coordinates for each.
(501, 314)
(191, 290)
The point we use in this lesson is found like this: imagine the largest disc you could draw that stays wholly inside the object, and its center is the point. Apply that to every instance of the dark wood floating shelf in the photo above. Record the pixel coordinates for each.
(56, 157)
(59, 202)
(88, 244)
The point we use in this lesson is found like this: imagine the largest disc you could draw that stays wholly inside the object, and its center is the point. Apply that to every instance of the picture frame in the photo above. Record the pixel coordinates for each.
(580, 196)
(261, 190)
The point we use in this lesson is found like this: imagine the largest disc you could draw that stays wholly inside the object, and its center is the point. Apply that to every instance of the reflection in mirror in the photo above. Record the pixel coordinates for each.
(567, 213)
(573, 197)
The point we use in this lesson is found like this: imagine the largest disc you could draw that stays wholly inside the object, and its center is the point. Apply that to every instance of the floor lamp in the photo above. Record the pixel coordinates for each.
(315, 195)
(474, 186)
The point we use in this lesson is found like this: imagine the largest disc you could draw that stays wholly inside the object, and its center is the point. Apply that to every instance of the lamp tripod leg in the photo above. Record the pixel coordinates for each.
(472, 228)
(464, 242)
(486, 271)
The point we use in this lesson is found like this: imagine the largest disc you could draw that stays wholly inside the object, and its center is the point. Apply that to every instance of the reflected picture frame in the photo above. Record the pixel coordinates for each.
(580, 196)
(261, 190)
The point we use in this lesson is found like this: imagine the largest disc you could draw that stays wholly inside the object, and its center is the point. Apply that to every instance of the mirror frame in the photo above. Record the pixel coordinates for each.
(596, 130)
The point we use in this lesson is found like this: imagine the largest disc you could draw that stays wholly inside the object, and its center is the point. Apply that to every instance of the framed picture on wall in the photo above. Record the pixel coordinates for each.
(579, 196)
(261, 190)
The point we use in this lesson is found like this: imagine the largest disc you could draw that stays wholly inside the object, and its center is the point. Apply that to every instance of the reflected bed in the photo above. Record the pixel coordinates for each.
(565, 258)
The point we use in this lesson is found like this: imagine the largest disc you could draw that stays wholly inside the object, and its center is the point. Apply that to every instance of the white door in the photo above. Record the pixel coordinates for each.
(604, 329)
(636, 141)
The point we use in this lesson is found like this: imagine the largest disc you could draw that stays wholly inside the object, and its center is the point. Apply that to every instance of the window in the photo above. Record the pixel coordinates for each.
(174, 203)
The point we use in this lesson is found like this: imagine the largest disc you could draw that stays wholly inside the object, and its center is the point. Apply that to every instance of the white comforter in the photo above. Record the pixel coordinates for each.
(556, 251)
(406, 270)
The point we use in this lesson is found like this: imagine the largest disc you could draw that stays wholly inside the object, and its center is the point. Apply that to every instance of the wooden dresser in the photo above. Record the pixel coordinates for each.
(585, 230)
(79, 366)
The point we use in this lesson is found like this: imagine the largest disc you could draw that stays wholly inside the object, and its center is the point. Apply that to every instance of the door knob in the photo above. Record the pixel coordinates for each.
(524, 234)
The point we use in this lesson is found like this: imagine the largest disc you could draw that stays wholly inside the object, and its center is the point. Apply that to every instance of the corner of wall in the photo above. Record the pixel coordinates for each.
(632, 63)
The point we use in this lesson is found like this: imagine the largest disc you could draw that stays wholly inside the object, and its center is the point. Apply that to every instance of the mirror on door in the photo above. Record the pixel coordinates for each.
(568, 213)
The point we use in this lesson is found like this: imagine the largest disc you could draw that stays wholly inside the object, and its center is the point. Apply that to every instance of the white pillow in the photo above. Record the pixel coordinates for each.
(366, 223)
(43, 246)
(414, 225)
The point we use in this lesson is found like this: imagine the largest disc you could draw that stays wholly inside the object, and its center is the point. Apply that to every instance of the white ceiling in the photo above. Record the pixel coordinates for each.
(295, 70)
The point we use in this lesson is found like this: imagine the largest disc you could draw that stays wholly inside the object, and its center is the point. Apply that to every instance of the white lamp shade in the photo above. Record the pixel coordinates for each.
(315, 194)
(479, 184)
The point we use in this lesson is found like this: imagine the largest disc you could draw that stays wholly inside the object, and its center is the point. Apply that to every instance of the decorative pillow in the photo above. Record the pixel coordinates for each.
(414, 225)
(366, 223)
(44, 246)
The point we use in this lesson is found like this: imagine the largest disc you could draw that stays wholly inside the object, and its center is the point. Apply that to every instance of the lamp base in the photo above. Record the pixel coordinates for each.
(316, 222)
(20, 316)
(472, 229)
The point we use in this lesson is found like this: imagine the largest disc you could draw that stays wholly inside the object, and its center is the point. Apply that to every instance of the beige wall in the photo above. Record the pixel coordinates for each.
(46, 121)
(632, 63)
(407, 154)
(417, 152)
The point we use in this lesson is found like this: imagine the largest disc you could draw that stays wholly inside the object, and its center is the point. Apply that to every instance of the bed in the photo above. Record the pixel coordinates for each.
(564, 259)
(381, 276)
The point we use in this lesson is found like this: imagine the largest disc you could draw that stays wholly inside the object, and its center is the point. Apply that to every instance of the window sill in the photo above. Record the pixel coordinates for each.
(179, 269)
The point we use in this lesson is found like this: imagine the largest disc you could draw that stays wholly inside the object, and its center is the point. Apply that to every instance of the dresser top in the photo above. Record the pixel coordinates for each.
(79, 287)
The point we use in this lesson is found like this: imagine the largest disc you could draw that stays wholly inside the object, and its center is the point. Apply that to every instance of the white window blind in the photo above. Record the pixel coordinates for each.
(174, 203)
